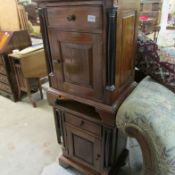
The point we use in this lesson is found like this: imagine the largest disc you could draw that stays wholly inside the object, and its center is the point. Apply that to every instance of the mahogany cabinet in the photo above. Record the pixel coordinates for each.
(85, 139)
(90, 46)
(8, 42)
(90, 50)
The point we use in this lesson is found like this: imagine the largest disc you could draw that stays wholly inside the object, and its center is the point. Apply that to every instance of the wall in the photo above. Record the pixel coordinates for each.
(172, 7)
(9, 15)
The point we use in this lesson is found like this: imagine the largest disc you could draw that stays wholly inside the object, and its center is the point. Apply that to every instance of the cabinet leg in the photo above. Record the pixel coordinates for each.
(63, 163)
(120, 163)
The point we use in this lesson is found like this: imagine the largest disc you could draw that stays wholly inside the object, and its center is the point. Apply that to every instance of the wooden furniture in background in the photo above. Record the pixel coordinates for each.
(13, 16)
(23, 18)
(29, 68)
(31, 9)
(9, 20)
(152, 10)
(90, 49)
(8, 42)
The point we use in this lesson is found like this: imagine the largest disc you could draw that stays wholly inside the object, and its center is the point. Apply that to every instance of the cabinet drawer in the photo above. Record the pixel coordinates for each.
(76, 18)
(83, 124)
(5, 87)
(2, 70)
(3, 79)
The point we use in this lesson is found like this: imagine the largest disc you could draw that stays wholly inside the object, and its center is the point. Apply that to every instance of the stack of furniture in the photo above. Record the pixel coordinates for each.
(90, 49)
(8, 42)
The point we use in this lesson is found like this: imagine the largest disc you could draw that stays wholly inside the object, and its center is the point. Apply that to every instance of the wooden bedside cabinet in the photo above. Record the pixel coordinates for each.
(88, 144)
(90, 48)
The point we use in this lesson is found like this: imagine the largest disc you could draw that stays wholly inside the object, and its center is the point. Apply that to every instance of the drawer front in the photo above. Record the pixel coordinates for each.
(4, 79)
(5, 87)
(78, 18)
(2, 69)
(83, 124)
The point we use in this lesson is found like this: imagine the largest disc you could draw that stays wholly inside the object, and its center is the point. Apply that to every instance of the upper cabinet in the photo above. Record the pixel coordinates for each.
(90, 46)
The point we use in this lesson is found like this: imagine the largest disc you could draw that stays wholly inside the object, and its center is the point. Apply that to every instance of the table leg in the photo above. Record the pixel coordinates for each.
(29, 93)
(40, 88)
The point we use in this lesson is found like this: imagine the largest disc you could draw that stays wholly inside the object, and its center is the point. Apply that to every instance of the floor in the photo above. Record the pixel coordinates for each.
(28, 144)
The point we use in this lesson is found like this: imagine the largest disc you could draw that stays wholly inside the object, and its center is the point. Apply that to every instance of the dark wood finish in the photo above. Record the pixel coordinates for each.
(107, 112)
(96, 120)
(90, 49)
(74, 18)
(111, 49)
(8, 82)
(86, 140)
(74, 60)
(91, 46)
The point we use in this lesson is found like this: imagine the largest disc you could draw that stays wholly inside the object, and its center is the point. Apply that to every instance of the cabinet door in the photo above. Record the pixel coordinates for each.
(77, 62)
(83, 148)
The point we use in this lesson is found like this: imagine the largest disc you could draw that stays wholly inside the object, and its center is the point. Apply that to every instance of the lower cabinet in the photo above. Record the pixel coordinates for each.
(83, 147)
(85, 140)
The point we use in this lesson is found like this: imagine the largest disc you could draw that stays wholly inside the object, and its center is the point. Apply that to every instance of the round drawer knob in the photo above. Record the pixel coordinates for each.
(82, 123)
(98, 157)
(71, 18)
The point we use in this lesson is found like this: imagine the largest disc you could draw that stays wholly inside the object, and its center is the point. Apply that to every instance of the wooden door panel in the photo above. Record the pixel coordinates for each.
(77, 61)
(83, 147)
(125, 49)
(81, 151)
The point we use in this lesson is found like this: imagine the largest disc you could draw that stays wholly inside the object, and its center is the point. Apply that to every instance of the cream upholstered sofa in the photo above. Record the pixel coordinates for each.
(148, 115)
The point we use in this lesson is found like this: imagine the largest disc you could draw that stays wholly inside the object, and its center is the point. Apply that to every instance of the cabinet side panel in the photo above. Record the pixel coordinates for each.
(125, 47)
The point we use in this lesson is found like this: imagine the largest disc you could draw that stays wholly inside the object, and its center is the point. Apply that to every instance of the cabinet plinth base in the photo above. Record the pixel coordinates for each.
(67, 163)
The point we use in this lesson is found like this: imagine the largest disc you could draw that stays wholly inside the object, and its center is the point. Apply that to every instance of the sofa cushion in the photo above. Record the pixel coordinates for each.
(150, 108)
